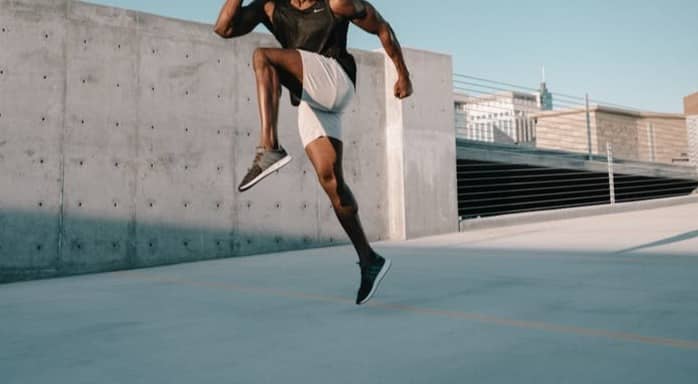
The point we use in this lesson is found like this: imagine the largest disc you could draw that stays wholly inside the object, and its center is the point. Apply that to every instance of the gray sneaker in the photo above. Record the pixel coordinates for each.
(265, 163)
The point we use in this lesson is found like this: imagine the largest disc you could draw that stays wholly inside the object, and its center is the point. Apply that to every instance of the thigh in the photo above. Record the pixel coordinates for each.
(290, 66)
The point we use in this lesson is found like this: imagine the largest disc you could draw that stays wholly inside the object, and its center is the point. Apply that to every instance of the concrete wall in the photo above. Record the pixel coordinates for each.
(422, 149)
(517, 155)
(123, 137)
(641, 136)
(620, 131)
(565, 131)
(669, 137)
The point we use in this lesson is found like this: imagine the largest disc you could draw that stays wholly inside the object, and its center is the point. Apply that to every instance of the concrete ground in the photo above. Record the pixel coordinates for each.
(606, 299)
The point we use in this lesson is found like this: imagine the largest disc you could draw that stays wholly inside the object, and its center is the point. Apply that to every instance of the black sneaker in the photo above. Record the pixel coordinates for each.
(371, 276)
(265, 163)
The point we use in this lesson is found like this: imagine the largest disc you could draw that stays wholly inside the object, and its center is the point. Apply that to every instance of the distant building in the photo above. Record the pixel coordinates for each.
(545, 98)
(634, 135)
(690, 104)
(498, 118)
(459, 101)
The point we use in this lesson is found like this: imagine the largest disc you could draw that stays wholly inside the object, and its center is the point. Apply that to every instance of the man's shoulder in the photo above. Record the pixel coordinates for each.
(261, 4)
(348, 8)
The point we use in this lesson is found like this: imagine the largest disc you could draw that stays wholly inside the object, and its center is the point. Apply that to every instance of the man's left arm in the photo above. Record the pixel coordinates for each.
(366, 17)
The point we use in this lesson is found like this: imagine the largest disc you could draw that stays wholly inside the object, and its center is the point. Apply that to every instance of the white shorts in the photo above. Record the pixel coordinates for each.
(327, 91)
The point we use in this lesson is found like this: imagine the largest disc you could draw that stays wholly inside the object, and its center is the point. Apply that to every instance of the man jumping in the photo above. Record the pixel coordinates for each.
(316, 68)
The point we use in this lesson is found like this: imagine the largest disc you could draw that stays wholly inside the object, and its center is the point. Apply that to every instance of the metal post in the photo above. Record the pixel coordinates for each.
(591, 154)
(692, 126)
(650, 140)
(611, 179)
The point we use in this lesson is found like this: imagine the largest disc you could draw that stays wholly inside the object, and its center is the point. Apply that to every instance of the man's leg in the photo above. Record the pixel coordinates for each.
(326, 155)
(274, 67)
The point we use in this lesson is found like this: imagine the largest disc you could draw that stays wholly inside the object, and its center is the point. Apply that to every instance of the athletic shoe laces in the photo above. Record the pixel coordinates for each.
(257, 158)
(369, 272)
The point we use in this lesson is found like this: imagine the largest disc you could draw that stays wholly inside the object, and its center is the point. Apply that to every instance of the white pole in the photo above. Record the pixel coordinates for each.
(650, 142)
(591, 157)
(611, 180)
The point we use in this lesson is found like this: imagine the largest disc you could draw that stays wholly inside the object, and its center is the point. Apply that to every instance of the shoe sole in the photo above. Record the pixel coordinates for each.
(273, 168)
(379, 278)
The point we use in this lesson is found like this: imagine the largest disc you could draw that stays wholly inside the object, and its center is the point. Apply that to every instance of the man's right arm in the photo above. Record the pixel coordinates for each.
(236, 20)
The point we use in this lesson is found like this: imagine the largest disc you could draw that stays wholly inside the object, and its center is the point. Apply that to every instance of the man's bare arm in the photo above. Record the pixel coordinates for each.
(373, 23)
(366, 17)
(235, 20)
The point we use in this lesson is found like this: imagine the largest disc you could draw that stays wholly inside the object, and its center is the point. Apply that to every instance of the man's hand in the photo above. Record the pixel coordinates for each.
(403, 87)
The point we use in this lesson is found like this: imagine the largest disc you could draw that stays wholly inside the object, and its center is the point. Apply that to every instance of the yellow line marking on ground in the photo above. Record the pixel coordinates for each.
(523, 324)
(549, 327)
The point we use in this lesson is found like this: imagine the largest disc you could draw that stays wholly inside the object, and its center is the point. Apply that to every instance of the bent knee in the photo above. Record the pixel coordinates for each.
(260, 58)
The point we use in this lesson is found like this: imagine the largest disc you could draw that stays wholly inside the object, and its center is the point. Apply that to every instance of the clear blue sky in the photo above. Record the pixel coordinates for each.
(638, 53)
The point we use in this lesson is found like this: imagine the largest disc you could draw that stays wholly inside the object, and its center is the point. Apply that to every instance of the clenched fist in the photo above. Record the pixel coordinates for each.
(403, 87)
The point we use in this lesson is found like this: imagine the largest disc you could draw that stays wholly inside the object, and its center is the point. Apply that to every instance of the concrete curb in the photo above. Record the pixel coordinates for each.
(572, 213)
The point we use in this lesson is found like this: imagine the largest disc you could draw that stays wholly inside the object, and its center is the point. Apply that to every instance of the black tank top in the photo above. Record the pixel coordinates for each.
(316, 29)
